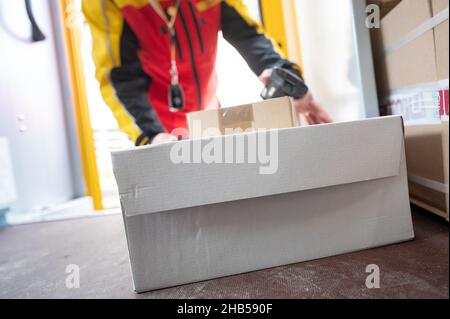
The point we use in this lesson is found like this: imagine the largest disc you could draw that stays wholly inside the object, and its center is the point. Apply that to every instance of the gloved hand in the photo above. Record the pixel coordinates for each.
(163, 137)
(311, 110)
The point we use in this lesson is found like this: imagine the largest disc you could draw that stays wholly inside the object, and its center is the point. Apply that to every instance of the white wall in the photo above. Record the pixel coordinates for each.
(32, 113)
(237, 83)
(330, 58)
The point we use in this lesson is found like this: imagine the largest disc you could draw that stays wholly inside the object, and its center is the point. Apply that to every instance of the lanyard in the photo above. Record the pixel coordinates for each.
(171, 26)
(159, 10)
(176, 95)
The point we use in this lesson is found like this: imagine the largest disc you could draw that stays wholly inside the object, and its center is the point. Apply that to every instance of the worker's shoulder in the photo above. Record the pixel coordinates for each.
(201, 5)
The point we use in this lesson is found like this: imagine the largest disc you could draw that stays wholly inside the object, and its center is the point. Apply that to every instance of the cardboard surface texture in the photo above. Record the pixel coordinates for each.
(273, 113)
(406, 51)
(385, 5)
(415, 62)
(427, 166)
(337, 188)
(445, 148)
(441, 40)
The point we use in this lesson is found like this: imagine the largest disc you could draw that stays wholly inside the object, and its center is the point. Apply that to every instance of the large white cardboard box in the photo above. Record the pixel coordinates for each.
(337, 188)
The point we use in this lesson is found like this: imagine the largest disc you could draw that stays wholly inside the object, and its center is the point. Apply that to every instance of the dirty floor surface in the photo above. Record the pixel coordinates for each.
(33, 261)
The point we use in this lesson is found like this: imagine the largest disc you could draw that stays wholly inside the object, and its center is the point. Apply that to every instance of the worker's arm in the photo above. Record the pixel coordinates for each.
(262, 54)
(311, 110)
(123, 83)
(248, 37)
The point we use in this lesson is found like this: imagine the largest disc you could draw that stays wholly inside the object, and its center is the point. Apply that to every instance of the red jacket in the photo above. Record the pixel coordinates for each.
(131, 46)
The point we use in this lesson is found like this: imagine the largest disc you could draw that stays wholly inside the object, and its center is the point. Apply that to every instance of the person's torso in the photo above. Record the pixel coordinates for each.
(196, 28)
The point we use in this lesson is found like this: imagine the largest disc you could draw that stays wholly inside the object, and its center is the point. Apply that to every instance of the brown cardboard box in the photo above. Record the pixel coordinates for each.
(427, 161)
(441, 37)
(445, 159)
(273, 113)
(423, 59)
(408, 65)
(406, 16)
(414, 62)
(385, 5)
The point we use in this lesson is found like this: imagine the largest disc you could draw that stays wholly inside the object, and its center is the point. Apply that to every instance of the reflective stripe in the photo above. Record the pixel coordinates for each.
(108, 33)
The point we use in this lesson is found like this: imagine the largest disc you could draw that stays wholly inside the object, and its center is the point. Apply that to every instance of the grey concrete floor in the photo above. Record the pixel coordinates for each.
(34, 257)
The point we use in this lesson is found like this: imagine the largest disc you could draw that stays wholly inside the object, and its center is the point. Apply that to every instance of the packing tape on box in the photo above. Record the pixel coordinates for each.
(417, 32)
(428, 183)
(426, 103)
(422, 87)
(236, 117)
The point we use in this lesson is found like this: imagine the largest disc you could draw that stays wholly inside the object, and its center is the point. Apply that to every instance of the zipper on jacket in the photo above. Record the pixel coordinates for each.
(197, 26)
(193, 64)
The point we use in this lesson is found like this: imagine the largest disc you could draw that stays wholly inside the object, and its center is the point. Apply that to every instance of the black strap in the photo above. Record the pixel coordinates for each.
(36, 33)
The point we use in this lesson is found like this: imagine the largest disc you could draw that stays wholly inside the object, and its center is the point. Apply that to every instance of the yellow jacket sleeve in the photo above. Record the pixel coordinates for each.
(106, 23)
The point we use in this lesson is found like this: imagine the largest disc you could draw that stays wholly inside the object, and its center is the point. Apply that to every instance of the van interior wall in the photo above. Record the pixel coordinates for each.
(330, 64)
(237, 83)
(32, 115)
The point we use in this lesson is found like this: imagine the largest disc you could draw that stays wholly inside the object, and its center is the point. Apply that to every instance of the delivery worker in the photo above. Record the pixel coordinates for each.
(155, 60)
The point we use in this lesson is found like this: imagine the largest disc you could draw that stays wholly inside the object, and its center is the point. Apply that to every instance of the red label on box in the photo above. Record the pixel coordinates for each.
(443, 102)
(423, 104)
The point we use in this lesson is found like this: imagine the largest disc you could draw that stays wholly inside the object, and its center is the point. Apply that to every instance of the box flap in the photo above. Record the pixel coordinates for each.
(303, 158)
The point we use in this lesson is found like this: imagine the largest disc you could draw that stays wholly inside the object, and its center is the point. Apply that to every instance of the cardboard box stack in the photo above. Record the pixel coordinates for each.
(411, 62)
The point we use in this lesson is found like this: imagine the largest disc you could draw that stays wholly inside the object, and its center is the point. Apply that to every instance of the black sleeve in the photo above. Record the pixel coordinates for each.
(249, 39)
(131, 85)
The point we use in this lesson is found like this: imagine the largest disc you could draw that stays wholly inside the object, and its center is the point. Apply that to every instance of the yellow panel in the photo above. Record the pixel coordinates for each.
(272, 14)
(293, 36)
(81, 110)
(280, 16)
